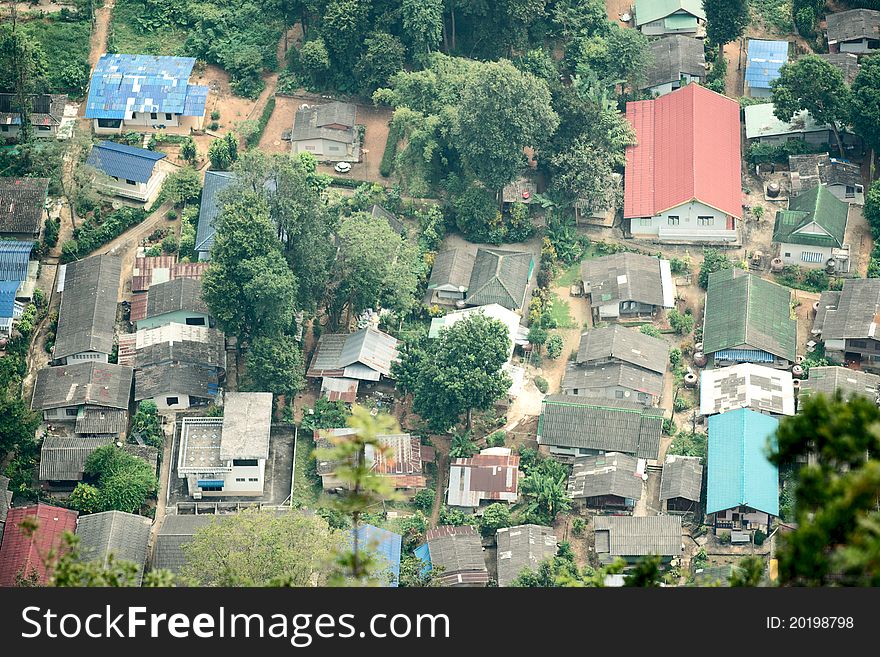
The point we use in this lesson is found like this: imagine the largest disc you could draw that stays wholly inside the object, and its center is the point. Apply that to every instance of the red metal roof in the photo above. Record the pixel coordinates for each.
(22, 554)
(138, 306)
(189, 270)
(688, 148)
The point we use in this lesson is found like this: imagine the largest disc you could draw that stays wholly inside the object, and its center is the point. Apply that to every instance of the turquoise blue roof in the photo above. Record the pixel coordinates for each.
(385, 546)
(739, 472)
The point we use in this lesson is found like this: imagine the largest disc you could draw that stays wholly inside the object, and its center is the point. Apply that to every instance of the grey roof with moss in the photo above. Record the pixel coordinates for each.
(500, 276)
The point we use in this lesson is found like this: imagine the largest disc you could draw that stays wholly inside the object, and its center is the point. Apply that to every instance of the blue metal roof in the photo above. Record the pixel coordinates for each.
(122, 84)
(744, 355)
(124, 162)
(765, 60)
(423, 553)
(739, 472)
(385, 546)
(7, 297)
(215, 182)
(14, 256)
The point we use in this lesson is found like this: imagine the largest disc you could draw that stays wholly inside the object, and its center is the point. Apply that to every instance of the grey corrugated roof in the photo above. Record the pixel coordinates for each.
(176, 531)
(682, 477)
(247, 421)
(846, 62)
(22, 203)
(629, 536)
(168, 378)
(612, 473)
(124, 535)
(452, 269)
(581, 377)
(311, 122)
(459, 551)
(857, 308)
(368, 347)
(211, 354)
(817, 169)
(378, 212)
(623, 277)
(626, 345)
(87, 317)
(499, 276)
(46, 109)
(673, 55)
(146, 453)
(335, 113)
(172, 296)
(828, 300)
(608, 425)
(97, 419)
(209, 208)
(521, 548)
(62, 458)
(92, 383)
(853, 24)
(828, 380)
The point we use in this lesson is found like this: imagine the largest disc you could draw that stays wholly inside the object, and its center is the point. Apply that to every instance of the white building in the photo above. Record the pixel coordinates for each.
(133, 172)
(763, 389)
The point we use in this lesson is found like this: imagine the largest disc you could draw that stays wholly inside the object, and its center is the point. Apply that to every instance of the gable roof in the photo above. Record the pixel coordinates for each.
(813, 169)
(765, 60)
(123, 161)
(124, 535)
(846, 62)
(746, 385)
(682, 477)
(122, 84)
(744, 309)
(854, 315)
(626, 277)
(493, 474)
(611, 473)
(452, 269)
(815, 209)
(175, 295)
(90, 382)
(762, 122)
(87, 316)
(459, 552)
(648, 11)
(521, 548)
(629, 536)
(673, 55)
(176, 532)
(21, 554)
(608, 425)
(46, 109)
(385, 547)
(318, 121)
(624, 344)
(364, 354)
(688, 148)
(740, 473)
(14, 258)
(828, 380)
(63, 458)
(101, 420)
(208, 350)
(379, 212)
(175, 377)
(499, 276)
(584, 377)
(209, 208)
(22, 203)
(853, 24)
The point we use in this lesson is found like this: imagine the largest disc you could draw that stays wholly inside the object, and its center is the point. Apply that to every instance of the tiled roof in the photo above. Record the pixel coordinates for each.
(175, 295)
(23, 555)
(493, 474)
(22, 203)
(611, 473)
(215, 182)
(385, 547)
(176, 531)
(459, 552)
(499, 276)
(14, 257)
(122, 84)
(171, 378)
(853, 24)
(521, 548)
(828, 380)
(62, 458)
(846, 62)
(813, 169)
(682, 477)
(744, 309)
(124, 535)
(101, 420)
(123, 161)
(86, 383)
(582, 377)
(673, 55)
(740, 473)
(629, 536)
(209, 352)
(318, 122)
(853, 312)
(623, 344)
(765, 58)
(452, 269)
(624, 277)
(816, 208)
(648, 11)
(688, 147)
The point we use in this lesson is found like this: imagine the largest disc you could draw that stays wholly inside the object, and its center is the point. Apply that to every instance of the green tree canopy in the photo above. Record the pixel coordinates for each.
(125, 482)
(865, 109)
(275, 364)
(725, 20)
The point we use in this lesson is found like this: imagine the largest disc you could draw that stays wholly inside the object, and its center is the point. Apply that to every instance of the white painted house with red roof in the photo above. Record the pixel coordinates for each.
(683, 180)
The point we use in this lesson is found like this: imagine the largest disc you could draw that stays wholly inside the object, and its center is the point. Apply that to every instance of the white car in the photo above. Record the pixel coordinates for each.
(342, 167)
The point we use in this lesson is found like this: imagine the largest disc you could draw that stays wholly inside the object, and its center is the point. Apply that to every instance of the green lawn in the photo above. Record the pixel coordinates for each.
(306, 484)
(570, 276)
(561, 312)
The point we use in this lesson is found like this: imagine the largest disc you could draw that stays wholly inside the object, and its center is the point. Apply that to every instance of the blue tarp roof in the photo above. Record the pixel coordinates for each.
(765, 60)
(423, 553)
(7, 297)
(124, 162)
(744, 355)
(14, 256)
(739, 472)
(215, 182)
(122, 84)
(386, 547)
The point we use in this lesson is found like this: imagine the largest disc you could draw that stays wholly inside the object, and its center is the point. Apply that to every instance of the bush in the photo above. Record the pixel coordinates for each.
(253, 138)
(713, 260)
(681, 404)
(497, 439)
(424, 499)
(578, 525)
(650, 329)
(96, 231)
(541, 384)
(555, 344)
(760, 537)
(681, 323)
(495, 517)
(169, 244)
(51, 231)
(215, 115)
(387, 163)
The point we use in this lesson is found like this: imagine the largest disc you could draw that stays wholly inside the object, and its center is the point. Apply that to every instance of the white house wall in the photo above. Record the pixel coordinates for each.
(792, 254)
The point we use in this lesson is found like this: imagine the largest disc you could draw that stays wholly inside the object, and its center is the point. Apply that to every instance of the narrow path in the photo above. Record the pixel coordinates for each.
(441, 445)
(100, 31)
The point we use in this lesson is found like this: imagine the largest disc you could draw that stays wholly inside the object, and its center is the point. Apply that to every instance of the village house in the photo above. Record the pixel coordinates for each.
(385, 547)
(572, 426)
(632, 538)
(854, 31)
(846, 321)
(223, 456)
(17, 281)
(153, 270)
(173, 343)
(209, 209)
(23, 554)
(114, 534)
(846, 62)
(748, 320)
(522, 548)
(517, 333)
(457, 553)
(175, 533)
(832, 379)
(842, 178)
(618, 363)
(490, 476)
(145, 93)
(178, 301)
(681, 483)
(23, 203)
(610, 481)
(492, 276)
(678, 60)
(747, 385)
(328, 132)
(342, 361)
(87, 316)
(765, 58)
(682, 182)
(810, 233)
(764, 127)
(659, 17)
(450, 277)
(176, 386)
(742, 485)
(627, 286)
(133, 173)
(46, 114)
(63, 458)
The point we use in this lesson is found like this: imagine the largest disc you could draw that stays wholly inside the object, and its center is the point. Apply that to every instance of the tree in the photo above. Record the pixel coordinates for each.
(22, 71)
(555, 344)
(713, 260)
(582, 173)
(681, 323)
(314, 59)
(502, 111)
(726, 20)
(275, 364)
(147, 425)
(383, 56)
(223, 152)
(495, 516)
(812, 84)
(17, 422)
(835, 541)
(545, 491)
(182, 187)
(124, 481)
(865, 109)
(188, 150)
(413, 575)
(458, 372)
(260, 548)
(422, 25)
(537, 336)
(463, 446)
(872, 208)
(85, 498)
(423, 500)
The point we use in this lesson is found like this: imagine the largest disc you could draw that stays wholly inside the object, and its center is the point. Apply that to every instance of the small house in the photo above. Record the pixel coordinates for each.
(178, 301)
(379, 212)
(176, 386)
(63, 458)
(209, 209)
(764, 127)
(175, 533)
(46, 114)
(517, 333)
(811, 232)
(765, 59)
(832, 379)
(632, 538)
(846, 321)
(742, 485)
(328, 132)
(681, 484)
(854, 31)
(174, 343)
(748, 320)
(23, 204)
(23, 553)
(659, 17)
(133, 173)
(521, 190)
(342, 361)
(17, 281)
(627, 286)
(522, 548)
(601, 212)
(846, 62)
(457, 554)
(842, 178)
(500, 276)
(490, 476)
(678, 60)
(145, 93)
(450, 277)
(747, 385)
(610, 481)
(114, 535)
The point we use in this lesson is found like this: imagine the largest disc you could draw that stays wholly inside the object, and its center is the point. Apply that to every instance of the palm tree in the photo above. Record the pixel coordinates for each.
(546, 494)
(463, 446)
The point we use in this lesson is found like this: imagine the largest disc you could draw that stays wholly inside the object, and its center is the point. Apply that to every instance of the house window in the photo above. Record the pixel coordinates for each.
(253, 479)
(812, 256)
(110, 123)
(244, 462)
(309, 147)
(4, 128)
(171, 401)
(575, 391)
(44, 128)
(70, 412)
(134, 115)
(788, 255)
(859, 189)
(858, 344)
(239, 479)
(195, 321)
(153, 115)
(211, 487)
(618, 394)
(645, 221)
(130, 182)
(850, 191)
(168, 116)
(705, 221)
(674, 221)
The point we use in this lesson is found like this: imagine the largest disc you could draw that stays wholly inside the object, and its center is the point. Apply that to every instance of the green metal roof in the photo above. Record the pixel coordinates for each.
(814, 208)
(648, 11)
(739, 473)
(745, 310)
(680, 21)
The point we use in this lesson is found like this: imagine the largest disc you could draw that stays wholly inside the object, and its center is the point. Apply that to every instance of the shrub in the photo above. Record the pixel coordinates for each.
(681, 404)
(681, 323)
(555, 344)
(169, 244)
(495, 517)
(52, 229)
(387, 163)
(97, 230)
(650, 329)
(760, 537)
(215, 115)
(424, 499)
(713, 260)
(213, 125)
(541, 384)
(578, 525)
(188, 150)
(497, 439)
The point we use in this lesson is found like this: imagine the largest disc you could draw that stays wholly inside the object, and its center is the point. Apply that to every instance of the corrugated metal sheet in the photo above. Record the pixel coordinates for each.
(124, 162)
(21, 554)
(765, 60)
(14, 257)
